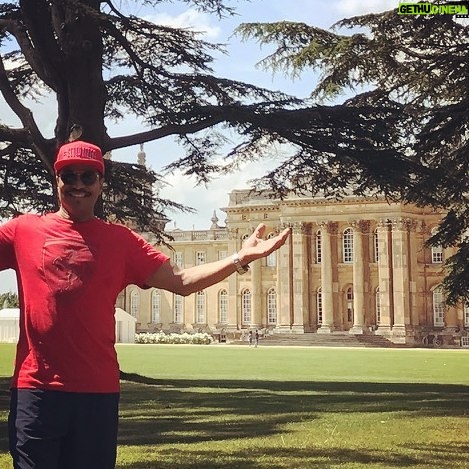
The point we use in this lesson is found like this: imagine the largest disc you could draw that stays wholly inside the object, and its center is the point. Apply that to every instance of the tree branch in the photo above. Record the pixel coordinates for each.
(37, 141)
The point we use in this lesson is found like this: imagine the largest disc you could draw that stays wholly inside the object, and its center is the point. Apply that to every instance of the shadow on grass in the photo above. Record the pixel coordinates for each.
(160, 412)
(162, 418)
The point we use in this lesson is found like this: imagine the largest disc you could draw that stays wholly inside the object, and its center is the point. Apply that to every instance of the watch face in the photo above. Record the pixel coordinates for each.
(239, 268)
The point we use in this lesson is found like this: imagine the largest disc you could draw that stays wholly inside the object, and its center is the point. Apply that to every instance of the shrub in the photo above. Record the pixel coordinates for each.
(162, 338)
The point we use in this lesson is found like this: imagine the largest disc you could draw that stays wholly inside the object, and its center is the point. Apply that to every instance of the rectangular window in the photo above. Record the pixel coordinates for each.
(223, 306)
(200, 305)
(437, 255)
(178, 303)
(438, 308)
(200, 257)
(222, 255)
(178, 259)
(155, 307)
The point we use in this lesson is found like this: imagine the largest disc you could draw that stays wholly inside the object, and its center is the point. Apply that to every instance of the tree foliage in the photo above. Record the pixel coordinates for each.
(406, 137)
(9, 300)
(413, 74)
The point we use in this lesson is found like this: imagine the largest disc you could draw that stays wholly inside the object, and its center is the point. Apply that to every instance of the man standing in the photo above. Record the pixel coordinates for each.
(70, 268)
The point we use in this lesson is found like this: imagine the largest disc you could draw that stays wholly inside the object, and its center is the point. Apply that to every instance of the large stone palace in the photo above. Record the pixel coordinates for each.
(356, 265)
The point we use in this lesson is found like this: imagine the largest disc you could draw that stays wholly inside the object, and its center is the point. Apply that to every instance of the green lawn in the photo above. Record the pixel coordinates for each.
(240, 407)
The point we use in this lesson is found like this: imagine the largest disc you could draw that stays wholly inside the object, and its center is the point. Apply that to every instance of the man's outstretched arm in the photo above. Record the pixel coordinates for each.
(186, 281)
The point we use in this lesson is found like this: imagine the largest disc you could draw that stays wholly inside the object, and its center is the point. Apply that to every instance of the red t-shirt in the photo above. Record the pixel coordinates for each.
(69, 275)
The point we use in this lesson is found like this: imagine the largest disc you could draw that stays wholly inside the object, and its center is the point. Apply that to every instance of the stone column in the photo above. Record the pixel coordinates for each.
(400, 277)
(451, 312)
(300, 277)
(385, 278)
(284, 285)
(360, 259)
(415, 228)
(234, 303)
(256, 290)
(327, 229)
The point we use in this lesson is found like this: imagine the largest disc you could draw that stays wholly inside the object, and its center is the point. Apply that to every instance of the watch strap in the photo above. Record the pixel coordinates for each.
(241, 269)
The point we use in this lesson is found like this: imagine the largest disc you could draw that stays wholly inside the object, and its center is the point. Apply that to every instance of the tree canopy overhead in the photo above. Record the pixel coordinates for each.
(405, 137)
(416, 67)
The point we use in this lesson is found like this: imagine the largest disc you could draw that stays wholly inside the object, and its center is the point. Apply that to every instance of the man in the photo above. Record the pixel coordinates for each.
(70, 268)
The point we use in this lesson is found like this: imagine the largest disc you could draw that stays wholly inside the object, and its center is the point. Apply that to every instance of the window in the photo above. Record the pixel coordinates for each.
(155, 306)
(437, 251)
(178, 304)
(378, 306)
(200, 307)
(177, 259)
(375, 246)
(272, 257)
(318, 247)
(222, 255)
(348, 245)
(223, 306)
(272, 306)
(466, 315)
(134, 303)
(246, 306)
(438, 307)
(319, 306)
(349, 299)
(200, 257)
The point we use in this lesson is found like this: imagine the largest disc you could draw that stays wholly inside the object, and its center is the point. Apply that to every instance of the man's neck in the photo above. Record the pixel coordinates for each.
(76, 217)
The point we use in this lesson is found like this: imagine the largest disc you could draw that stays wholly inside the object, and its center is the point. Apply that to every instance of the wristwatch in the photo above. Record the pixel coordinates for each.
(241, 269)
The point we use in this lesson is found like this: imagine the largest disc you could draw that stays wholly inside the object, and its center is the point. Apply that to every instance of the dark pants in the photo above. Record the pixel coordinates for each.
(63, 430)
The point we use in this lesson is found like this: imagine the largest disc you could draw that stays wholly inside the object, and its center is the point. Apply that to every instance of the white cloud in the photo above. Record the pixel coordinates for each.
(207, 199)
(360, 7)
(189, 19)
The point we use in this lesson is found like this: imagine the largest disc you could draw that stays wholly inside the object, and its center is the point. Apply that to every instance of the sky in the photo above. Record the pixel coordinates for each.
(239, 64)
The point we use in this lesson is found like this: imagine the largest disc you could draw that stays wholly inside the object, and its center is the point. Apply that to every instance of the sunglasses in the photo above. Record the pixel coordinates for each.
(88, 178)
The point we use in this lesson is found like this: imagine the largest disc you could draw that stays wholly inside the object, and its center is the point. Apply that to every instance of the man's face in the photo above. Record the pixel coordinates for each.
(79, 187)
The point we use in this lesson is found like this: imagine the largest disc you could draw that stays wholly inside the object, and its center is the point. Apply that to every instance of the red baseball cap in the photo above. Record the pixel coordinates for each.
(79, 152)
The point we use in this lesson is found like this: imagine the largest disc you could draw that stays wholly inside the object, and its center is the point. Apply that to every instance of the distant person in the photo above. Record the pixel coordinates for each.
(250, 338)
(70, 268)
(256, 343)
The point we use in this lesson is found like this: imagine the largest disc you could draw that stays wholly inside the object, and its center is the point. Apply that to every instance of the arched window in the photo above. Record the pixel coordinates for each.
(349, 301)
(272, 306)
(200, 306)
(155, 306)
(318, 247)
(246, 306)
(178, 308)
(272, 257)
(223, 306)
(438, 307)
(348, 246)
(375, 246)
(378, 306)
(134, 303)
(319, 306)
(437, 251)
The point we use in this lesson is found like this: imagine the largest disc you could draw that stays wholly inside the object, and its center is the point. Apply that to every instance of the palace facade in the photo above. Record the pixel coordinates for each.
(356, 265)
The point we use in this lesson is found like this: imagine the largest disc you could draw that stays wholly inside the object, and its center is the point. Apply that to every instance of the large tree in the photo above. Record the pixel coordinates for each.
(102, 64)
(162, 76)
(420, 66)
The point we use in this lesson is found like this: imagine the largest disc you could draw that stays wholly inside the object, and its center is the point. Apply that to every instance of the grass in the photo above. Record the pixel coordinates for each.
(238, 407)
